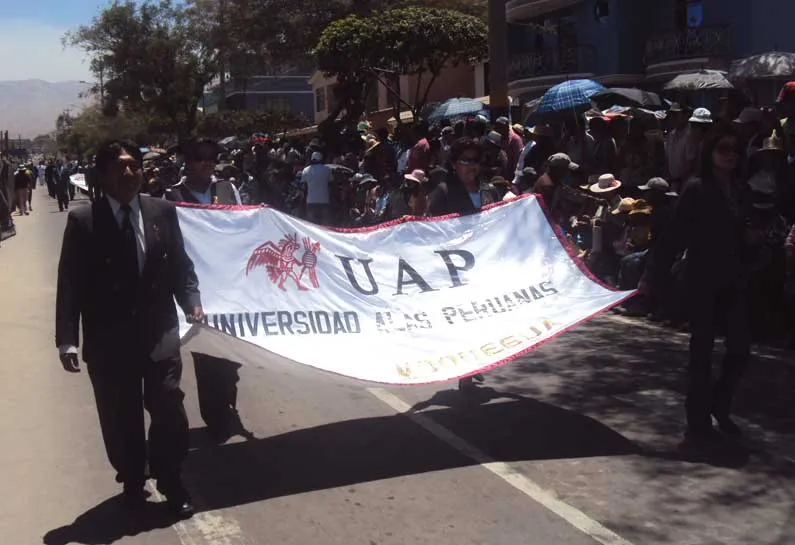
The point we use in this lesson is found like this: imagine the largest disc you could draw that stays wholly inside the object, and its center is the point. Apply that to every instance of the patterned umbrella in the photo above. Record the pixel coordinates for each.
(570, 95)
(457, 107)
(774, 64)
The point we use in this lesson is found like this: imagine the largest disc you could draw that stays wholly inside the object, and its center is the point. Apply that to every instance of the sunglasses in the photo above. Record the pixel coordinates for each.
(469, 161)
(726, 149)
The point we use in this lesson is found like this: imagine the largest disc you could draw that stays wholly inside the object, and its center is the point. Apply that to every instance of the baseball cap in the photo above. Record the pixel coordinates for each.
(562, 160)
(316, 157)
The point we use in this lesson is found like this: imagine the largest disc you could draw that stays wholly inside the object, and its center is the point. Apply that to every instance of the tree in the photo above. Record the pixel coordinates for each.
(413, 41)
(80, 134)
(151, 61)
(283, 32)
(245, 123)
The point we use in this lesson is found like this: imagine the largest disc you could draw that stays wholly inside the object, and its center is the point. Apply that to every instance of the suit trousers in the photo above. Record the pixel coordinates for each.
(216, 387)
(122, 389)
(62, 194)
(709, 307)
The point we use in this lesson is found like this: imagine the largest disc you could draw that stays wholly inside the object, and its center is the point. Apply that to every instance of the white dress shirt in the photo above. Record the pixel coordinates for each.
(137, 221)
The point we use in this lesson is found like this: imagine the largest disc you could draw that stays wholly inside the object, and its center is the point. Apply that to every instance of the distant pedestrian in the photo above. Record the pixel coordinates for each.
(22, 183)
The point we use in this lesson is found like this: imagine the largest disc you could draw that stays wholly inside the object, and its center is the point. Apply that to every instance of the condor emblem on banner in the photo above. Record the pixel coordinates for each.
(282, 263)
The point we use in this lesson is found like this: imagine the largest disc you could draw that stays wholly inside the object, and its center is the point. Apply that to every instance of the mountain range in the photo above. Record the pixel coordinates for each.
(29, 108)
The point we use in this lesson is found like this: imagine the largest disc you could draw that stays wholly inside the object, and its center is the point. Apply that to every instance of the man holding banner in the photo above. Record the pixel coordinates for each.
(216, 378)
(123, 262)
(462, 193)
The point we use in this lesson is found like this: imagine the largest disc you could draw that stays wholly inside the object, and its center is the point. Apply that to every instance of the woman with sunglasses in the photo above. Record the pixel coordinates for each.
(709, 223)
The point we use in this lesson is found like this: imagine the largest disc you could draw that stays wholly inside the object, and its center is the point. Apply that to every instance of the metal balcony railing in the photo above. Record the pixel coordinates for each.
(689, 43)
(567, 60)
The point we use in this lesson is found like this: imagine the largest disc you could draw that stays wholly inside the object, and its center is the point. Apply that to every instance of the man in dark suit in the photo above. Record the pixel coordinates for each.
(122, 264)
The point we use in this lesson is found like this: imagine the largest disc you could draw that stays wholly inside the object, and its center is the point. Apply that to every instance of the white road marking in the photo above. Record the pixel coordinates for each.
(504, 471)
(206, 527)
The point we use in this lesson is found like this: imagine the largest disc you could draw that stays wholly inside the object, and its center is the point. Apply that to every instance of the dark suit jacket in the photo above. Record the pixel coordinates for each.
(122, 316)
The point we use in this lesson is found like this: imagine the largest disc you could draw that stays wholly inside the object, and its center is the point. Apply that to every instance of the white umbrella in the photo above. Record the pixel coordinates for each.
(699, 81)
(770, 65)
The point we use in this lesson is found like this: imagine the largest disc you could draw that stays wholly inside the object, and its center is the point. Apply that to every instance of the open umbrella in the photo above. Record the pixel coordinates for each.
(699, 81)
(457, 107)
(770, 65)
(570, 95)
(622, 96)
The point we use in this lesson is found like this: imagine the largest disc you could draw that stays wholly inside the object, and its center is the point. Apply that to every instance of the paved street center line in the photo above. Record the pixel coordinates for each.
(504, 471)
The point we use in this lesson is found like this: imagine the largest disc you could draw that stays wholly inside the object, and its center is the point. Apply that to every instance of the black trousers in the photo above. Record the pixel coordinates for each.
(712, 307)
(122, 390)
(62, 194)
(216, 386)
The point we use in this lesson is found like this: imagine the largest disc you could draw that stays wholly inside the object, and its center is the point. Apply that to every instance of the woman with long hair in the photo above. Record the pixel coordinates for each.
(709, 223)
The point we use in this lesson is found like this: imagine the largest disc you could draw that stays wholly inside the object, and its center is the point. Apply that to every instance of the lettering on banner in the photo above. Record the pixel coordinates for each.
(455, 262)
(484, 354)
(282, 322)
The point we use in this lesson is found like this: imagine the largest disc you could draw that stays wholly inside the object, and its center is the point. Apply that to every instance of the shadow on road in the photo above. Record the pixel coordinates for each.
(109, 522)
(370, 449)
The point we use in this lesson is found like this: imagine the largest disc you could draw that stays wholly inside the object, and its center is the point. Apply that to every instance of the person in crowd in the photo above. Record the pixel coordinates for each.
(62, 184)
(420, 156)
(415, 195)
(495, 160)
(317, 178)
(123, 263)
(22, 183)
(709, 222)
(605, 151)
(512, 144)
(680, 148)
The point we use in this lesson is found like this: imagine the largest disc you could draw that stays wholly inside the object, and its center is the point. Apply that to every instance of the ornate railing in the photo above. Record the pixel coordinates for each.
(689, 43)
(568, 60)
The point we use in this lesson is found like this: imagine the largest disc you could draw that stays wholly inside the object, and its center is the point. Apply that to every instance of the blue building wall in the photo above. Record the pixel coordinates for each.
(756, 26)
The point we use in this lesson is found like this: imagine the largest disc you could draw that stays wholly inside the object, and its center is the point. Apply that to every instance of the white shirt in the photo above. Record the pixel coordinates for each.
(207, 196)
(317, 179)
(137, 221)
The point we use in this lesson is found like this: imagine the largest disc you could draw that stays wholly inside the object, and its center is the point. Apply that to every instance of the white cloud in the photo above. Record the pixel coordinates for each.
(32, 49)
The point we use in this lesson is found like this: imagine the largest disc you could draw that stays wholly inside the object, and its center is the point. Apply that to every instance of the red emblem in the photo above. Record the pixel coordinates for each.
(282, 264)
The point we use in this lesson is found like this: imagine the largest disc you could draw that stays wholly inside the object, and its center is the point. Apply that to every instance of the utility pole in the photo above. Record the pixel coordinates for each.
(222, 54)
(498, 59)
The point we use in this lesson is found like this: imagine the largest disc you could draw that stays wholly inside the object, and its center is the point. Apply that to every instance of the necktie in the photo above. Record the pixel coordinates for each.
(130, 249)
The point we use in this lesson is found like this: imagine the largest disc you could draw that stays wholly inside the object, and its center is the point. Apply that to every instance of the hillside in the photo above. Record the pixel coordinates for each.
(30, 107)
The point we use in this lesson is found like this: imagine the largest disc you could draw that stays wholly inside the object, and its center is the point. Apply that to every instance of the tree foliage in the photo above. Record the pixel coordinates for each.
(153, 62)
(413, 41)
(245, 123)
(284, 32)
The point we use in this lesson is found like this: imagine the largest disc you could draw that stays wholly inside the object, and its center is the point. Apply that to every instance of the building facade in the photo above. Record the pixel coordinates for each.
(454, 82)
(625, 43)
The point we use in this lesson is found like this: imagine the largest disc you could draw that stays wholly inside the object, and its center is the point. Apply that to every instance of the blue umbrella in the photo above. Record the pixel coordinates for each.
(457, 107)
(570, 95)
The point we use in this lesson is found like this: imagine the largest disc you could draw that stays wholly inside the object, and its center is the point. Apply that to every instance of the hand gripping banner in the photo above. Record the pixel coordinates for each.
(418, 301)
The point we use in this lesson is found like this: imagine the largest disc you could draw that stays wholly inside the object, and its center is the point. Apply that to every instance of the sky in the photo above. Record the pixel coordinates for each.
(30, 39)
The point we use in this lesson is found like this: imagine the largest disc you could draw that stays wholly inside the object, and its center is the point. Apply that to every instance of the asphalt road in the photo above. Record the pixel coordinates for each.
(576, 444)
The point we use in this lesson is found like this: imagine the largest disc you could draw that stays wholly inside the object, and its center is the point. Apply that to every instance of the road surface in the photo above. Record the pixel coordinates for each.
(576, 444)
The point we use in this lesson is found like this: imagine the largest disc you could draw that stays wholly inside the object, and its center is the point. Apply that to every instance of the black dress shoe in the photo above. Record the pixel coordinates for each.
(181, 507)
(134, 497)
(705, 434)
(728, 426)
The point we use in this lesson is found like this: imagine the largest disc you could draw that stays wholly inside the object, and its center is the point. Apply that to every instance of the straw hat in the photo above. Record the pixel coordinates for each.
(607, 182)
(640, 207)
(624, 207)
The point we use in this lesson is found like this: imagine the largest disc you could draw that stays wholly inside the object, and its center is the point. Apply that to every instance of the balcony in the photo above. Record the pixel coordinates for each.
(701, 47)
(522, 10)
(554, 62)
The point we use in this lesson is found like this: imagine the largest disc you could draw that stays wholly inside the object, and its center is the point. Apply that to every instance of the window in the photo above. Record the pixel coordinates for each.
(320, 99)
(277, 105)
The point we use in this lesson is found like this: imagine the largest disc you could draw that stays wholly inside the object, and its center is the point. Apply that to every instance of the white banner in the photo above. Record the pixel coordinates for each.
(79, 180)
(416, 302)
